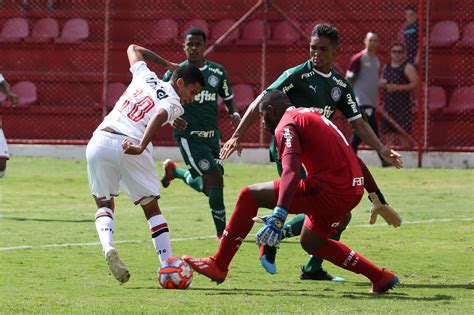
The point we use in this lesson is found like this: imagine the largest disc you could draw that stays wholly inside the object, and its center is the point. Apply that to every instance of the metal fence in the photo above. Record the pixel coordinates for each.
(67, 60)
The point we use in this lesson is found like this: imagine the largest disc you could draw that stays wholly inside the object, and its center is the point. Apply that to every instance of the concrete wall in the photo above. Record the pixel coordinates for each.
(256, 156)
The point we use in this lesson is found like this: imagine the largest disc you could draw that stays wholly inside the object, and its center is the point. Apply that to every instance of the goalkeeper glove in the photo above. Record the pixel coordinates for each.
(381, 207)
(271, 233)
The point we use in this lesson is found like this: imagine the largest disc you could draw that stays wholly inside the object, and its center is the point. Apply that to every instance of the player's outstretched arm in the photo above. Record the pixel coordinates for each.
(233, 144)
(153, 126)
(137, 53)
(233, 113)
(368, 136)
(5, 89)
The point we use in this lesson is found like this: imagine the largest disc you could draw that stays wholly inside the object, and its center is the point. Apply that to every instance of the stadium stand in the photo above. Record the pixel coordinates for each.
(115, 90)
(44, 30)
(436, 98)
(243, 96)
(467, 35)
(444, 34)
(220, 28)
(164, 31)
(253, 33)
(74, 30)
(284, 34)
(461, 101)
(26, 91)
(14, 30)
(199, 23)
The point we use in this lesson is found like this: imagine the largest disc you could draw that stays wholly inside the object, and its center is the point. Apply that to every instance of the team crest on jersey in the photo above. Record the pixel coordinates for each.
(336, 94)
(213, 81)
(204, 165)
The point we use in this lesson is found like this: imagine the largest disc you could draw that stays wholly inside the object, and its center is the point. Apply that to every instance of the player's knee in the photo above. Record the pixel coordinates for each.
(344, 223)
(311, 243)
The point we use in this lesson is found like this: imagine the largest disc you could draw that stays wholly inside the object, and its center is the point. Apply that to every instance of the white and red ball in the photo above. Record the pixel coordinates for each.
(175, 274)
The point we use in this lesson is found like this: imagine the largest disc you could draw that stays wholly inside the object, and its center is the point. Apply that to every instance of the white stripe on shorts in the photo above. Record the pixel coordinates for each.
(184, 143)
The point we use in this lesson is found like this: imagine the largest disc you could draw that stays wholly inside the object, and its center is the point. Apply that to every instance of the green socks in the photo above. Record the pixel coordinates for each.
(185, 176)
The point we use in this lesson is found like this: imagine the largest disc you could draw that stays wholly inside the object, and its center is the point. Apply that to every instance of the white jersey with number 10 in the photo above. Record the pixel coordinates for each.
(143, 97)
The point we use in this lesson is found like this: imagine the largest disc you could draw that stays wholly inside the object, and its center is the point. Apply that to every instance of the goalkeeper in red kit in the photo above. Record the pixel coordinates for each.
(333, 187)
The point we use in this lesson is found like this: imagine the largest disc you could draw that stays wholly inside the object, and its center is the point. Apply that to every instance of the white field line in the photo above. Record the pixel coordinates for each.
(212, 236)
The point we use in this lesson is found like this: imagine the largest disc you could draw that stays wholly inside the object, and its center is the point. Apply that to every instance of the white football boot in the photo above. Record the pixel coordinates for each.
(116, 266)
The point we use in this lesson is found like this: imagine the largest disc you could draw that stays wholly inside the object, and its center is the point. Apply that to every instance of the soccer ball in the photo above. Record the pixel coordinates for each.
(175, 274)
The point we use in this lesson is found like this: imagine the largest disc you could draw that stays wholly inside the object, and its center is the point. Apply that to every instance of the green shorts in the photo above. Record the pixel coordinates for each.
(200, 155)
(274, 158)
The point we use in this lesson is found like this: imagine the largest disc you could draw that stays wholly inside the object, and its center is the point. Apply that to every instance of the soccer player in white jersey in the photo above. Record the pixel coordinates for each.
(4, 156)
(119, 154)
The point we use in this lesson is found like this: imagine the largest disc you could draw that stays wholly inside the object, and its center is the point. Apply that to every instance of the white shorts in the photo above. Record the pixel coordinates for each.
(108, 168)
(3, 146)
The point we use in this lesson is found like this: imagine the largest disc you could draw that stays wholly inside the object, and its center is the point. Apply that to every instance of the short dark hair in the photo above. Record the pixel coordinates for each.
(194, 31)
(399, 44)
(276, 98)
(190, 74)
(411, 7)
(328, 31)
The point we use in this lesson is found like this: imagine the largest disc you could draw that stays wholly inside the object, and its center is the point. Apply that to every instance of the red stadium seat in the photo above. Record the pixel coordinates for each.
(44, 30)
(74, 30)
(26, 92)
(462, 100)
(444, 34)
(284, 34)
(243, 96)
(468, 35)
(201, 24)
(115, 90)
(253, 33)
(436, 98)
(14, 30)
(221, 27)
(3, 97)
(164, 31)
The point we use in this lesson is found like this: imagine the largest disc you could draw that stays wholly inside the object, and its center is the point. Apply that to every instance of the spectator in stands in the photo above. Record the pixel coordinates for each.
(4, 156)
(409, 34)
(363, 74)
(398, 81)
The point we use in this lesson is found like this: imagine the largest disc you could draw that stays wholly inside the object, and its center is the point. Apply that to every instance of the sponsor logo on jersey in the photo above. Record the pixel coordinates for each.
(213, 81)
(225, 87)
(340, 82)
(288, 137)
(351, 102)
(326, 111)
(287, 88)
(313, 88)
(204, 165)
(358, 181)
(205, 96)
(336, 94)
(215, 70)
(152, 80)
(161, 94)
(308, 74)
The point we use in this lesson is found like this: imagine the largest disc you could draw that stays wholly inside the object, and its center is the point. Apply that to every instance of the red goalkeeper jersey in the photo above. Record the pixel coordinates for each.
(305, 137)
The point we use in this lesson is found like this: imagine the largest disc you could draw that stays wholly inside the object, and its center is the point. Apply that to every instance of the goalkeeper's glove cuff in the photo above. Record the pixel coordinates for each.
(280, 213)
(378, 194)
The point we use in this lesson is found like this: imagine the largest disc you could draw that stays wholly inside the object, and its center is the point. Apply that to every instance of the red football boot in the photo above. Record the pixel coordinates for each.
(207, 267)
(168, 166)
(388, 282)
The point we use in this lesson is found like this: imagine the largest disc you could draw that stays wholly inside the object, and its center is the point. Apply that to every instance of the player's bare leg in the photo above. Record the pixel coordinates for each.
(104, 223)
(344, 257)
(3, 166)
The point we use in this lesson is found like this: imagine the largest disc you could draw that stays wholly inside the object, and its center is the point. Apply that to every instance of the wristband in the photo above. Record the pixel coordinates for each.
(235, 114)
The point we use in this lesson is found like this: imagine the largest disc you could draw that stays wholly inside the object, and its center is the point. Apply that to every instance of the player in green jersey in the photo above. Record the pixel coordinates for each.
(197, 132)
(316, 84)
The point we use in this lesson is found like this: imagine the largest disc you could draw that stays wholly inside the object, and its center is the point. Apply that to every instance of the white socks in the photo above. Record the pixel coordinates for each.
(161, 237)
(104, 223)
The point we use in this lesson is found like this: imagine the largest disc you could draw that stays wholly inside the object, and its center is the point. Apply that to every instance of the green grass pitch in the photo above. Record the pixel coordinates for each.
(46, 207)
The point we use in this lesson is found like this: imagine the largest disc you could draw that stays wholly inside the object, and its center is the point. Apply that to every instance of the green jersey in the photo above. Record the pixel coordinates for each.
(202, 114)
(307, 87)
